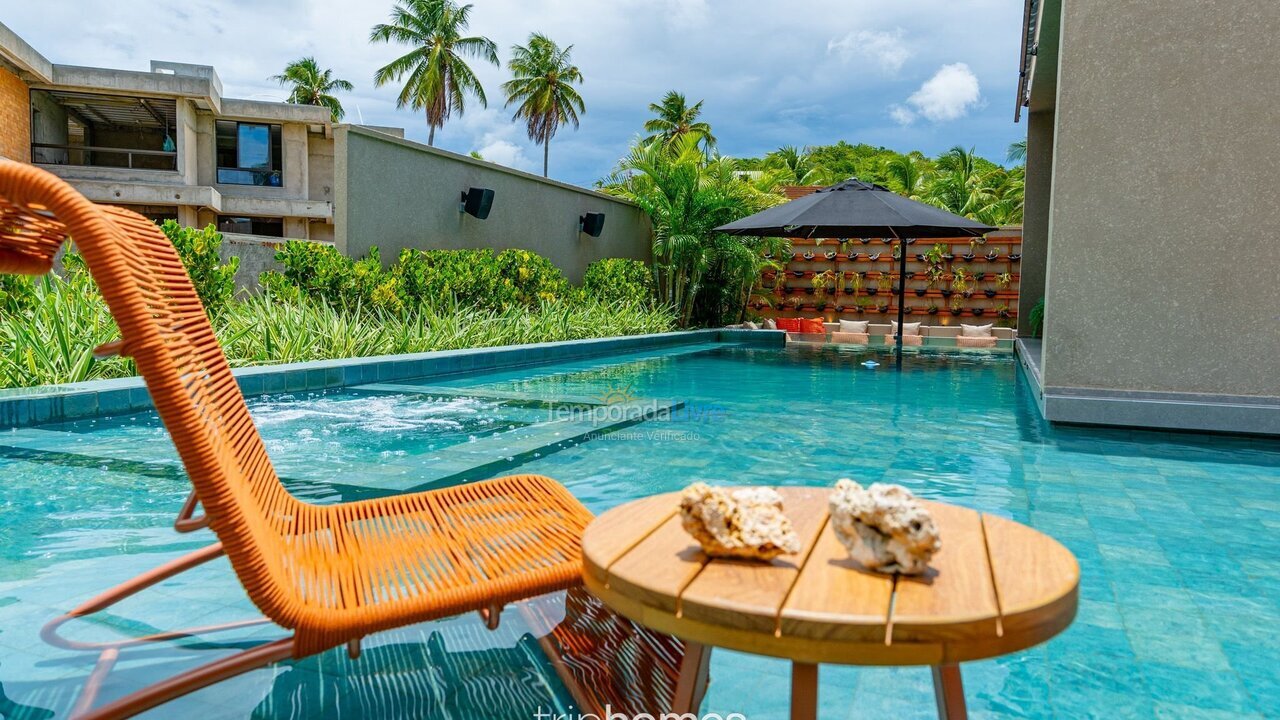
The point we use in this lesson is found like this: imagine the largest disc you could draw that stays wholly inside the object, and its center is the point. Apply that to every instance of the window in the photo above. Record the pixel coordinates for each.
(268, 227)
(249, 154)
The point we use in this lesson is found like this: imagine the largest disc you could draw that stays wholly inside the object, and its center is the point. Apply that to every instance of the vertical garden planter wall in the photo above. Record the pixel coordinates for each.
(969, 280)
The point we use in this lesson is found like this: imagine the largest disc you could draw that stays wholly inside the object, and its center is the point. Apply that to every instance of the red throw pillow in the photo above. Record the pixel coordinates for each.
(812, 326)
(788, 324)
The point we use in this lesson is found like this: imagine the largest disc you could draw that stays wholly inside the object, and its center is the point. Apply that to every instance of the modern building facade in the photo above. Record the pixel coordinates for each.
(167, 144)
(1151, 212)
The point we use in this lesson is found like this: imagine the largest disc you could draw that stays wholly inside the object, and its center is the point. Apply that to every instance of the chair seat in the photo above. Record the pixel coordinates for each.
(384, 563)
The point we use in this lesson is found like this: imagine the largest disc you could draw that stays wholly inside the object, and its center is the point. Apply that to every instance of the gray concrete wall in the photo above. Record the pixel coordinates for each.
(1035, 213)
(1163, 260)
(256, 254)
(394, 194)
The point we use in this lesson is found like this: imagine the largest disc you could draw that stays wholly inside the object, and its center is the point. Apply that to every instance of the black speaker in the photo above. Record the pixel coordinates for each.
(477, 202)
(592, 224)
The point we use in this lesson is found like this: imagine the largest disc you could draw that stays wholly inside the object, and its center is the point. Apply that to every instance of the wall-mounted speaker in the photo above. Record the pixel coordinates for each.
(477, 202)
(592, 224)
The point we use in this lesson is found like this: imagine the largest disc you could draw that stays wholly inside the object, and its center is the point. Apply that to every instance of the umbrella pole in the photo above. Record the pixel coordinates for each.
(902, 294)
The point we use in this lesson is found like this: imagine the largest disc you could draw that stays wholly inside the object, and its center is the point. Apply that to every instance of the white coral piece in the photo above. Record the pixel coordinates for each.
(741, 523)
(884, 527)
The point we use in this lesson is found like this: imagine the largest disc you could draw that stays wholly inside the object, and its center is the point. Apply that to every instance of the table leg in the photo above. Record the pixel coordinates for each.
(948, 690)
(692, 683)
(804, 691)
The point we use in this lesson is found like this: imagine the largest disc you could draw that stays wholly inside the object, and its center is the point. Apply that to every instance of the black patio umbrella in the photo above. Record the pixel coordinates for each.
(857, 209)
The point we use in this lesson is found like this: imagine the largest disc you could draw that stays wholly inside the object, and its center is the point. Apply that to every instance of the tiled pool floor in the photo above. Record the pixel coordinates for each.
(1178, 537)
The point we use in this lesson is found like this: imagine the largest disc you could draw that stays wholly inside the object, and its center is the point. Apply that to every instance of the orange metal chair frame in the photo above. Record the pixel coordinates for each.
(331, 574)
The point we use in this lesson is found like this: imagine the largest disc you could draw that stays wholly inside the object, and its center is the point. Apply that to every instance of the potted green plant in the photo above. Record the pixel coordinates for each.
(932, 309)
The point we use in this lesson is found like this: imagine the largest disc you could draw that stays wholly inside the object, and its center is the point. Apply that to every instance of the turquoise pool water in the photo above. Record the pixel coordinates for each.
(1178, 535)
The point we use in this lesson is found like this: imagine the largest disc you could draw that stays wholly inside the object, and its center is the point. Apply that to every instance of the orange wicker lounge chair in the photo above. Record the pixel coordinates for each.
(331, 574)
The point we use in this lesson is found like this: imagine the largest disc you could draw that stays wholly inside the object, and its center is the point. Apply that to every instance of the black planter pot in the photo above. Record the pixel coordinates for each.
(853, 256)
(864, 241)
(882, 309)
(886, 241)
(920, 257)
(1015, 258)
(992, 257)
(957, 311)
(808, 291)
(969, 256)
(808, 256)
(946, 293)
(948, 257)
(911, 241)
(798, 273)
(967, 293)
(858, 310)
(989, 293)
(831, 255)
(1004, 314)
(897, 289)
(874, 257)
(933, 311)
(978, 312)
(978, 277)
(849, 291)
(872, 291)
(921, 291)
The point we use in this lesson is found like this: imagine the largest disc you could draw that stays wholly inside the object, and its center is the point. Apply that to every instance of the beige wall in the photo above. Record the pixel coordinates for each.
(1035, 215)
(1163, 261)
(395, 194)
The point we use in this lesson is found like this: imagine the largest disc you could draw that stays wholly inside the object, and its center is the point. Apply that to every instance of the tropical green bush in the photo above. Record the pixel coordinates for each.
(51, 339)
(468, 278)
(618, 279)
(214, 280)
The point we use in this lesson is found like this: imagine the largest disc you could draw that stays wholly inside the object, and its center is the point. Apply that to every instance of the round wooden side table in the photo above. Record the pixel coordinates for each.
(996, 587)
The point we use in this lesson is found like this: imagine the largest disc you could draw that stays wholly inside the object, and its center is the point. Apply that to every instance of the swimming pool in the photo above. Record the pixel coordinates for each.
(1178, 535)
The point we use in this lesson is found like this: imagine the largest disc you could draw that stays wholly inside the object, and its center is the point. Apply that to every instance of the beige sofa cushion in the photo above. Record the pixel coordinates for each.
(850, 338)
(907, 328)
(976, 331)
(854, 326)
(976, 342)
(769, 324)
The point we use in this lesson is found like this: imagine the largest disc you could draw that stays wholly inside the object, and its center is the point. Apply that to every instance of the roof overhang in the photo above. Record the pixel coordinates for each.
(1038, 64)
(17, 54)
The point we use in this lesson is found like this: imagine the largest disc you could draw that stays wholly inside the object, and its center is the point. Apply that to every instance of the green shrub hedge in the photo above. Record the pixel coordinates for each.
(433, 278)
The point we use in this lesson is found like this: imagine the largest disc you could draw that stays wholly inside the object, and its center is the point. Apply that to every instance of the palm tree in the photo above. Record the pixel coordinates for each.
(697, 271)
(1017, 151)
(313, 86)
(438, 79)
(543, 76)
(905, 174)
(796, 166)
(675, 119)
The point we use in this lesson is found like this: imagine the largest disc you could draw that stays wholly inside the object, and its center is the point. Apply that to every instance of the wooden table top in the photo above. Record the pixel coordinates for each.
(995, 587)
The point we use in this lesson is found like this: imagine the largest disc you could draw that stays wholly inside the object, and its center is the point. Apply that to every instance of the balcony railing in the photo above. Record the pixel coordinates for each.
(86, 155)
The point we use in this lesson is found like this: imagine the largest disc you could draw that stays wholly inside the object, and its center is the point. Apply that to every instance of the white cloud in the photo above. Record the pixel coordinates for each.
(949, 95)
(886, 49)
(765, 80)
(505, 152)
(901, 115)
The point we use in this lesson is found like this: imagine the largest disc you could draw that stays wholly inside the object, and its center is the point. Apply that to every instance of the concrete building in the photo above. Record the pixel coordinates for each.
(1151, 212)
(168, 144)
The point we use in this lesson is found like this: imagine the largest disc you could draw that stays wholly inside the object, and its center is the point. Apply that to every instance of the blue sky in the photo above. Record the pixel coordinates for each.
(907, 74)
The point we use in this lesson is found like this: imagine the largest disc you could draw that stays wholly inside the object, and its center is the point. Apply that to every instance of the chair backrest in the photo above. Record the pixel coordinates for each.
(164, 328)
